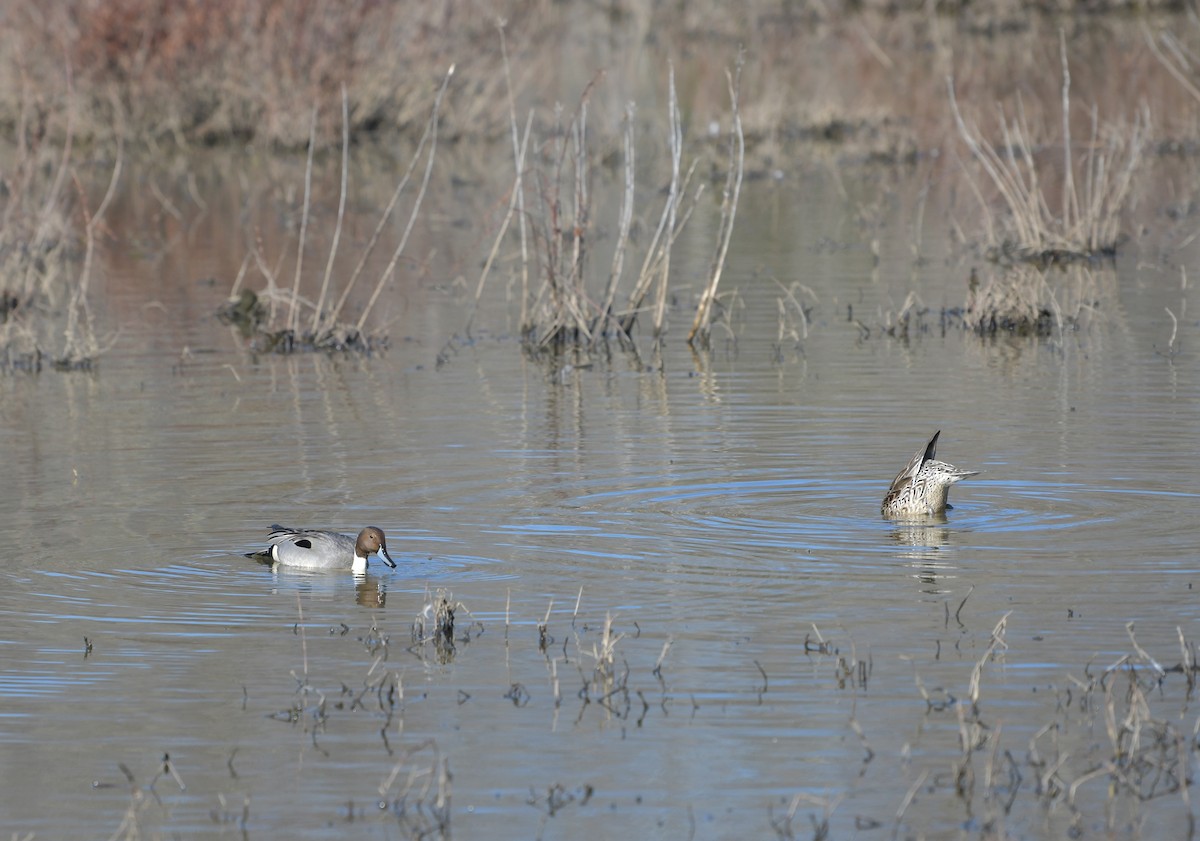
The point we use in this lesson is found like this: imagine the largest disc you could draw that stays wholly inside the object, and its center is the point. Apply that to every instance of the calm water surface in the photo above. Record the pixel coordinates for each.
(721, 509)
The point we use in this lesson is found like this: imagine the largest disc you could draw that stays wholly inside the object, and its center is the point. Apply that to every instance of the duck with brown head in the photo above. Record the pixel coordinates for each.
(319, 549)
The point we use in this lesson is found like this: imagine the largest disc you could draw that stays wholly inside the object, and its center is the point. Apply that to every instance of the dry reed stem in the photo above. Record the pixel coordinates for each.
(519, 158)
(658, 256)
(293, 315)
(624, 221)
(337, 230)
(997, 642)
(1158, 670)
(581, 210)
(676, 131)
(1178, 72)
(421, 803)
(1086, 226)
(701, 326)
(412, 219)
(558, 314)
(50, 206)
(789, 293)
(516, 205)
(80, 343)
(430, 128)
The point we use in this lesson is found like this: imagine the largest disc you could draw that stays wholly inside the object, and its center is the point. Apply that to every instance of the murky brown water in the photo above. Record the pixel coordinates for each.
(725, 504)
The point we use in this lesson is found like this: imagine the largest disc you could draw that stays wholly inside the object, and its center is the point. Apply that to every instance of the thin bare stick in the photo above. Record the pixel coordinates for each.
(1179, 74)
(337, 231)
(519, 157)
(293, 315)
(387, 211)
(907, 801)
(665, 223)
(581, 213)
(241, 275)
(625, 220)
(1070, 209)
(76, 349)
(412, 219)
(733, 187)
(61, 173)
(1145, 655)
(985, 155)
(45, 223)
(662, 655)
(676, 130)
(515, 200)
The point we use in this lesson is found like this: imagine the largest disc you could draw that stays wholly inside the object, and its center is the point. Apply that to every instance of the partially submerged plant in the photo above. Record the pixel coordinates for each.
(1025, 300)
(288, 322)
(435, 625)
(1085, 224)
(38, 247)
(562, 312)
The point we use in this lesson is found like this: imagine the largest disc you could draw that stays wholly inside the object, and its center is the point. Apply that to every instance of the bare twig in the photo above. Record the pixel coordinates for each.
(335, 313)
(312, 142)
(337, 231)
(733, 186)
(412, 219)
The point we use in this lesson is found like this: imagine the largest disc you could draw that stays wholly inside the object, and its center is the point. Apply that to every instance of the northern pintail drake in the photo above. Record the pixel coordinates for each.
(921, 488)
(318, 549)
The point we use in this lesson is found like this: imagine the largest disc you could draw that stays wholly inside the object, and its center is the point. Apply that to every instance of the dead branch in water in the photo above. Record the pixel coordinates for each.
(561, 312)
(657, 262)
(699, 334)
(80, 347)
(35, 292)
(337, 231)
(326, 331)
(624, 221)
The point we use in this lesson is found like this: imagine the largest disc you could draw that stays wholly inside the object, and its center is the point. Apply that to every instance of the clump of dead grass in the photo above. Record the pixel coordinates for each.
(557, 228)
(435, 626)
(1057, 209)
(48, 240)
(1029, 301)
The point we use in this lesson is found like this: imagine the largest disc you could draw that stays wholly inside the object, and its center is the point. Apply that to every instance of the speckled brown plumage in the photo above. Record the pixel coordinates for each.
(921, 488)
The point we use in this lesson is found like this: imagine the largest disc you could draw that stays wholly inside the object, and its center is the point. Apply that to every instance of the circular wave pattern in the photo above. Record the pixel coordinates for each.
(756, 530)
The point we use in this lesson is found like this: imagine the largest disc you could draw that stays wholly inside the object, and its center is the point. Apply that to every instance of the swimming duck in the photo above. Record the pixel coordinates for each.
(318, 549)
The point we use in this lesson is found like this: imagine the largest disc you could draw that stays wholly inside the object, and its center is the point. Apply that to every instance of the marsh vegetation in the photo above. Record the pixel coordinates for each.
(617, 310)
(596, 199)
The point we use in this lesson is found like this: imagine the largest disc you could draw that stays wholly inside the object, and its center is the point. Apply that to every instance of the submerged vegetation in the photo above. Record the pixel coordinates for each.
(1088, 749)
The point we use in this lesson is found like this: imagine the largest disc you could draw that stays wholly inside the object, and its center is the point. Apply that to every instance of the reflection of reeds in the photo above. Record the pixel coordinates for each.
(1082, 225)
(1026, 300)
(418, 794)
